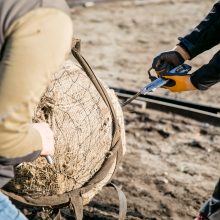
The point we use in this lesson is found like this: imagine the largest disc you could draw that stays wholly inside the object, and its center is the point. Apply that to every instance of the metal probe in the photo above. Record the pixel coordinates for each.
(158, 82)
(49, 159)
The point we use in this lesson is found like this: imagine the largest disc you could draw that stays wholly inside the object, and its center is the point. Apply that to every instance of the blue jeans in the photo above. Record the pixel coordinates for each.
(8, 211)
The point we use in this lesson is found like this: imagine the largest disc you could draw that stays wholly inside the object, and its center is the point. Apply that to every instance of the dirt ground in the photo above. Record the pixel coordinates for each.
(172, 163)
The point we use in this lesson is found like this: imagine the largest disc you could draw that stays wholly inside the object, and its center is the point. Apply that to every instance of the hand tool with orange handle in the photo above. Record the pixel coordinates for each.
(160, 81)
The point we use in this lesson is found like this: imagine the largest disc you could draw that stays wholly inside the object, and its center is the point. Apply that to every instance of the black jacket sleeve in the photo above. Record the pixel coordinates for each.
(208, 74)
(7, 166)
(15, 161)
(205, 36)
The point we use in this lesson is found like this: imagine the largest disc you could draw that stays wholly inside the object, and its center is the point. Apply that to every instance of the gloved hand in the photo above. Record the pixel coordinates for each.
(168, 60)
(172, 58)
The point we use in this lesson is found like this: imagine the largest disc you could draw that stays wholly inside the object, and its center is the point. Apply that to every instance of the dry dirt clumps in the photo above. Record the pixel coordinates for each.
(172, 163)
(82, 126)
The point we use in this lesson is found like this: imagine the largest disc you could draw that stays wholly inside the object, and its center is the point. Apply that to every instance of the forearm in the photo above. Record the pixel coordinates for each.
(43, 33)
(19, 142)
(208, 74)
(205, 35)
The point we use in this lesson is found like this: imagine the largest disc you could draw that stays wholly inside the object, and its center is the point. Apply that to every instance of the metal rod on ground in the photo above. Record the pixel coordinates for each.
(202, 113)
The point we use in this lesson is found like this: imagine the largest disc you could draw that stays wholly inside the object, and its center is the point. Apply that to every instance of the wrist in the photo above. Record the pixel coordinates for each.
(189, 85)
(182, 52)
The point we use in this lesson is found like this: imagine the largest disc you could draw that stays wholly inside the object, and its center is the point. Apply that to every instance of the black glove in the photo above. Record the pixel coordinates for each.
(172, 58)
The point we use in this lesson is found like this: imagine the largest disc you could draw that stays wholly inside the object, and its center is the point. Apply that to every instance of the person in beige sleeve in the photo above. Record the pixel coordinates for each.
(35, 37)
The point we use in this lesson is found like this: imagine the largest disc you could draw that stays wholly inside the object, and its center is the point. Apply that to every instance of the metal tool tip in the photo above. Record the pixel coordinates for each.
(49, 159)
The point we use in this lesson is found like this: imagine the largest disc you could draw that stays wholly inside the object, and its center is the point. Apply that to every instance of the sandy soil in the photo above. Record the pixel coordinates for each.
(172, 163)
(120, 39)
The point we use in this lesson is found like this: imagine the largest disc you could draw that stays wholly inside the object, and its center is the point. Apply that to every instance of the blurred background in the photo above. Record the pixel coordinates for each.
(120, 38)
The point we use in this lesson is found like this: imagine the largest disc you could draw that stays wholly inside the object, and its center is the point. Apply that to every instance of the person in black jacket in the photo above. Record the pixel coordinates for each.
(203, 37)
